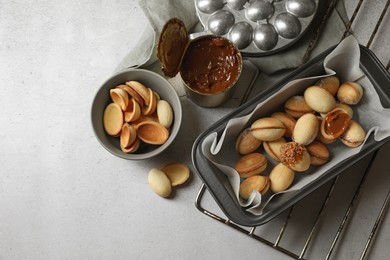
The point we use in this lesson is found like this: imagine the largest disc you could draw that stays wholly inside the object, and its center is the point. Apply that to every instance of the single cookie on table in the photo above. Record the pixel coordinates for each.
(159, 182)
(177, 173)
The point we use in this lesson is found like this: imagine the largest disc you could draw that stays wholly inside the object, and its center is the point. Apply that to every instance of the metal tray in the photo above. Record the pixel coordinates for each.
(217, 183)
(237, 27)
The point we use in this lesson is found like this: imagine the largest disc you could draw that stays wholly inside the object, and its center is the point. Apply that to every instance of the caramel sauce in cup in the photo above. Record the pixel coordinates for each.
(210, 65)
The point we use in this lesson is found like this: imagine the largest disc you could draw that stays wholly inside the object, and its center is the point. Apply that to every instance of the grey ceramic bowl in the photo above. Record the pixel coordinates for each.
(102, 99)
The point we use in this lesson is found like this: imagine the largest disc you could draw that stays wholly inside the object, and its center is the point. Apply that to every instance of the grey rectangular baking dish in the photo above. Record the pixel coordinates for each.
(217, 183)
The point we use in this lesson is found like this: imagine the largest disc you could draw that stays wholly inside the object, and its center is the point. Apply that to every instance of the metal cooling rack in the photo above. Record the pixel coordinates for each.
(324, 198)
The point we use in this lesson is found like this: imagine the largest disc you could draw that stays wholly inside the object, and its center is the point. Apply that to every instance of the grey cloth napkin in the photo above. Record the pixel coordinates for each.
(159, 12)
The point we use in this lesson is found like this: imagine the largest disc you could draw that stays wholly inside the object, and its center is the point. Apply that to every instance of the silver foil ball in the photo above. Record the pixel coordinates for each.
(301, 8)
(259, 10)
(236, 4)
(265, 37)
(209, 6)
(220, 22)
(241, 34)
(287, 25)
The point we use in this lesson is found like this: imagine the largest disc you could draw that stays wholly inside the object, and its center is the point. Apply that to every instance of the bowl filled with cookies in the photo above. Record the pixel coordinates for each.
(136, 114)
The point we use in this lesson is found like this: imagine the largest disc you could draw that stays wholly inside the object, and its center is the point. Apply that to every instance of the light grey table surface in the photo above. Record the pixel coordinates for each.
(62, 196)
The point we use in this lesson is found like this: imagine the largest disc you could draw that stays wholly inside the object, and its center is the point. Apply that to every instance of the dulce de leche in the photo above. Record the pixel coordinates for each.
(211, 65)
(335, 122)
